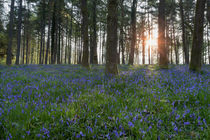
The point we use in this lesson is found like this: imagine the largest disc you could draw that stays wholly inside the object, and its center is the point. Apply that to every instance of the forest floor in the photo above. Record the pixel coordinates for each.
(68, 102)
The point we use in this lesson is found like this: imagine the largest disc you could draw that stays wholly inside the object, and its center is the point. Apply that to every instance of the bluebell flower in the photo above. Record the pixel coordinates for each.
(130, 124)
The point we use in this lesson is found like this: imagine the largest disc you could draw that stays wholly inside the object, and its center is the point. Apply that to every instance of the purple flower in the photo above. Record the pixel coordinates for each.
(186, 123)
(81, 134)
(130, 124)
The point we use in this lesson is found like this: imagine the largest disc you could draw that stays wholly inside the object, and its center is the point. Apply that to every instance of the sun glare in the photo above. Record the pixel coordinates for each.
(151, 42)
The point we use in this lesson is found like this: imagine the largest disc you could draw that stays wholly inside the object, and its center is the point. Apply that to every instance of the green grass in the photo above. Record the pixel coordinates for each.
(69, 102)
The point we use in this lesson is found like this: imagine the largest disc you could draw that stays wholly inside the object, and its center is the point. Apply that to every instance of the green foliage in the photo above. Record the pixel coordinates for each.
(68, 102)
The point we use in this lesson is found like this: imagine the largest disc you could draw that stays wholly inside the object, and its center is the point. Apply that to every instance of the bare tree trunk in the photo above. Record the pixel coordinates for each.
(84, 10)
(42, 32)
(163, 60)
(195, 63)
(185, 47)
(208, 10)
(53, 34)
(24, 44)
(172, 45)
(95, 57)
(111, 49)
(49, 31)
(11, 20)
(70, 36)
(208, 44)
(143, 40)
(122, 31)
(133, 36)
(48, 42)
(149, 47)
(19, 33)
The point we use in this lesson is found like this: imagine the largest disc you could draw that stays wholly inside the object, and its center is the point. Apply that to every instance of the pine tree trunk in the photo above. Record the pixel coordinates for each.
(11, 21)
(24, 44)
(208, 10)
(111, 49)
(122, 31)
(163, 60)
(70, 36)
(195, 63)
(84, 10)
(185, 47)
(50, 4)
(19, 33)
(95, 56)
(133, 32)
(53, 34)
(143, 41)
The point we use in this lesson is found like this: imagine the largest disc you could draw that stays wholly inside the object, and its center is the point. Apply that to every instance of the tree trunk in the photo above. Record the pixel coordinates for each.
(133, 33)
(24, 43)
(53, 34)
(59, 45)
(185, 47)
(42, 32)
(149, 31)
(122, 31)
(11, 21)
(111, 49)
(163, 60)
(208, 44)
(84, 10)
(49, 27)
(143, 40)
(172, 45)
(195, 63)
(70, 36)
(208, 10)
(95, 57)
(48, 42)
(19, 33)
(28, 34)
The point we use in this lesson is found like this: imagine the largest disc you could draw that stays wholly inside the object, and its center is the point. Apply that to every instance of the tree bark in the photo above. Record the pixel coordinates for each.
(95, 57)
(84, 10)
(143, 40)
(185, 47)
(163, 60)
(122, 31)
(208, 10)
(49, 27)
(133, 33)
(195, 63)
(70, 36)
(11, 21)
(19, 33)
(53, 34)
(42, 32)
(111, 49)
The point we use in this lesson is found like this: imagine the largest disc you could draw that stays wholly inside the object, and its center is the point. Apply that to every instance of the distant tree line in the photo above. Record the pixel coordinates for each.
(107, 32)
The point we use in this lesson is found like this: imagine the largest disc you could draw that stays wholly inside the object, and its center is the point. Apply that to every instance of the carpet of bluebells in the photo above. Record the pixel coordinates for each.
(70, 102)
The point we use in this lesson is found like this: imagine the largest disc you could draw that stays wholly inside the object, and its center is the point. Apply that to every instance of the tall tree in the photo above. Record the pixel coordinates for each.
(11, 21)
(195, 63)
(42, 45)
(53, 33)
(49, 27)
(185, 47)
(111, 49)
(19, 32)
(133, 32)
(84, 11)
(208, 10)
(163, 60)
(93, 49)
(122, 14)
